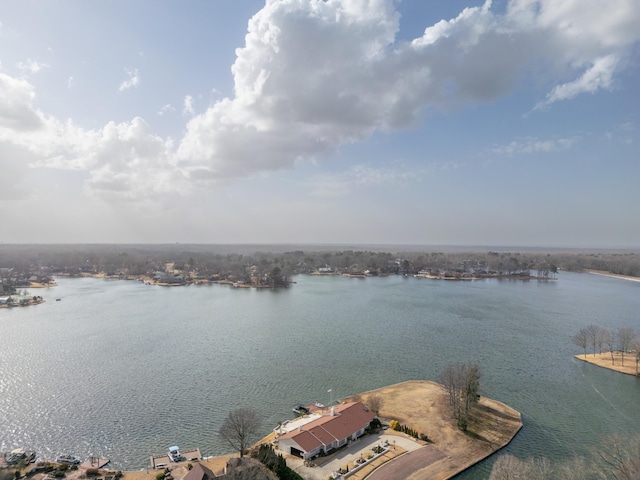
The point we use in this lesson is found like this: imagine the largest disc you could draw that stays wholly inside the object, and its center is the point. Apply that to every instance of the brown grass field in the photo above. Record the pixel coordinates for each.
(422, 405)
(604, 360)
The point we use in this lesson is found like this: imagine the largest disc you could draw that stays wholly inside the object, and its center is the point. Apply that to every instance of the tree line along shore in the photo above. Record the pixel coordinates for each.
(610, 348)
(24, 266)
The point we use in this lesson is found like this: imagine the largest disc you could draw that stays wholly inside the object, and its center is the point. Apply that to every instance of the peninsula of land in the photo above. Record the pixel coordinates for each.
(614, 361)
(420, 405)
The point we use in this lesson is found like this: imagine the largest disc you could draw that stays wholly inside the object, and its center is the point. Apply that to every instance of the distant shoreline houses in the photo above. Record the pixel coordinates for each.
(20, 300)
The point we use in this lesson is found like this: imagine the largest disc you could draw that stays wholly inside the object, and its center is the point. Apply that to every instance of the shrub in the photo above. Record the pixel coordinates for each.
(394, 425)
(93, 472)
(160, 476)
(275, 462)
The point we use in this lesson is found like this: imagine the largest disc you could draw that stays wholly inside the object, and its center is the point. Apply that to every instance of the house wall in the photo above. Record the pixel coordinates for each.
(312, 453)
(286, 444)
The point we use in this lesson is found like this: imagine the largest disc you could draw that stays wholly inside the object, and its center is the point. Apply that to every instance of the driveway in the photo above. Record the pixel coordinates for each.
(404, 466)
(346, 455)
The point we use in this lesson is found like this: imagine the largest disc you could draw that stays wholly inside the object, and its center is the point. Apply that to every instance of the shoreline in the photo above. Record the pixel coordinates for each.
(419, 404)
(603, 273)
(603, 360)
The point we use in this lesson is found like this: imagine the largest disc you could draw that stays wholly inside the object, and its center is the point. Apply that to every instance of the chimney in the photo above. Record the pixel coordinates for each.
(333, 412)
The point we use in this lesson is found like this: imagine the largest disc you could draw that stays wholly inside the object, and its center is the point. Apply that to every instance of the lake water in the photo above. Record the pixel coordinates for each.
(123, 370)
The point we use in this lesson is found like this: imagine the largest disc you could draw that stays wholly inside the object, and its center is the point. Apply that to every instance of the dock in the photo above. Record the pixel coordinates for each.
(94, 462)
(163, 460)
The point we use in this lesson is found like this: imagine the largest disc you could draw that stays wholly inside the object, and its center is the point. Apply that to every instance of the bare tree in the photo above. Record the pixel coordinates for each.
(508, 467)
(575, 469)
(626, 337)
(620, 459)
(375, 403)
(450, 380)
(609, 339)
(462, 383)
(239, 429)
(593, 332)
(601, 337)
(471, 387)
(581, 339)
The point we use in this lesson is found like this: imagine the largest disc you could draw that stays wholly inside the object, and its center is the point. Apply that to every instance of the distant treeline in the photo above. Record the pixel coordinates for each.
(242, 262)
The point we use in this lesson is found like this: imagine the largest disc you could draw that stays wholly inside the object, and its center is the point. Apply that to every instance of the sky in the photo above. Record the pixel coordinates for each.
(423, 122)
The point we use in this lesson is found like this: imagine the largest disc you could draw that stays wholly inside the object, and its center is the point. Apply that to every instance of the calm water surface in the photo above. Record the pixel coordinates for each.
(123, 370)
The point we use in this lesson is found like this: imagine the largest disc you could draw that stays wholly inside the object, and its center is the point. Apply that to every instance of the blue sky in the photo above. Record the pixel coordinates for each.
(306, 121)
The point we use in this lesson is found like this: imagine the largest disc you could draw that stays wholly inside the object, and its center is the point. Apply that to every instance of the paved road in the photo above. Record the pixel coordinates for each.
(404, 466)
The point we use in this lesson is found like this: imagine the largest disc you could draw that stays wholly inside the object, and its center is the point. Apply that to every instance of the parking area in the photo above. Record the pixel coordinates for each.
(361, 448)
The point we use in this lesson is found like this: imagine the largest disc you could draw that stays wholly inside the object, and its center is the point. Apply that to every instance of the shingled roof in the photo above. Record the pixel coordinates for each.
(345, 420)
(199, 472)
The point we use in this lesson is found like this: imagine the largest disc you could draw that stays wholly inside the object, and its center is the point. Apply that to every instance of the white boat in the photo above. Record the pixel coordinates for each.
(174, 454)
(69, 459)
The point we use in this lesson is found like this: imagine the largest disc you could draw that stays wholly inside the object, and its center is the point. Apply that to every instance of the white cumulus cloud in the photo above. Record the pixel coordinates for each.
(315, 75)
(16, 106)
(125, 160)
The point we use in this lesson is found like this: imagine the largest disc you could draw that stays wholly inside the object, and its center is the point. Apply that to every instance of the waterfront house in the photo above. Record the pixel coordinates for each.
(323, 433)
(199, 472)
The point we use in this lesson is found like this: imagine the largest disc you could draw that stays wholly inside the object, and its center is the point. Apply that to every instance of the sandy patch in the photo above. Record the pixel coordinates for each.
(614, 275)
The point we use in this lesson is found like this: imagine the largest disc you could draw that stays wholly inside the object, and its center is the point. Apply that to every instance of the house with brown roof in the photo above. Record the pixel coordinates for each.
(199, 472)
(345, 422)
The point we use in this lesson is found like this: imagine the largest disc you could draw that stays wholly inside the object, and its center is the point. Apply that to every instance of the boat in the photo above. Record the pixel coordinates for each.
(174, 454)
(20, 454)
(68, 459)
(300, 409)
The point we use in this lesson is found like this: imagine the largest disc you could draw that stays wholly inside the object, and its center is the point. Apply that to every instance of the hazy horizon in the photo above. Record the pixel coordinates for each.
(348, 122)
(311, 247)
